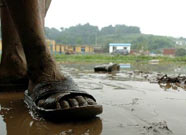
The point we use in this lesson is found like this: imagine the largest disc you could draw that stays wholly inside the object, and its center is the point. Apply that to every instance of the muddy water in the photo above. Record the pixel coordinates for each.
(132, 105)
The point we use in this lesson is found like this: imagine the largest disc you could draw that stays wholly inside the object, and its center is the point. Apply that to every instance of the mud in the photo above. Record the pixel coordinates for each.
(132, 105)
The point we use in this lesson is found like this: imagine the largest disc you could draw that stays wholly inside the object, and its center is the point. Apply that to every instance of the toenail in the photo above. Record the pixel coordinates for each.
(90, 101)
(73, 102)
(82, 101)
(65, 105)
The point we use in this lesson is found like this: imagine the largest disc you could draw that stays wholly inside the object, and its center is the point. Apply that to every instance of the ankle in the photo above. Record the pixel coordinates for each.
(12, 65)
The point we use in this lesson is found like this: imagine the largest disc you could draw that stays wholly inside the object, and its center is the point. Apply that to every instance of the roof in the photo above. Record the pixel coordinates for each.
(120, 44)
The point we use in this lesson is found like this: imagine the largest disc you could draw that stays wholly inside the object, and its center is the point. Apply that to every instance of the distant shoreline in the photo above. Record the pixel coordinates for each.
(106, 58)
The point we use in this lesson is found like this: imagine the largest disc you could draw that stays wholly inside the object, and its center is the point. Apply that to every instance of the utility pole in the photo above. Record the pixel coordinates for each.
(96, 40)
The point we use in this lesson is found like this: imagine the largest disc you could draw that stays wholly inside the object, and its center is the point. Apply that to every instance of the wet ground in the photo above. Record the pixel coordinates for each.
(132, 105)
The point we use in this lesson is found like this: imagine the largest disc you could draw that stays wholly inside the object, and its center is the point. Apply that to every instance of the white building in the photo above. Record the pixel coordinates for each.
(119, 46)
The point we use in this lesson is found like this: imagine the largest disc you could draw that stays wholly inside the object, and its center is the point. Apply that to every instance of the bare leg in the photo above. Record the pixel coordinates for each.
(41, 67)
(29, 23)
(13, 70)
(13, 62)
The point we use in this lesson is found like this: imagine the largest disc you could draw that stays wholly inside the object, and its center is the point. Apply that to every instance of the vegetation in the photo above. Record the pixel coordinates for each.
(106, 58)
(88, 34)
(91, 35)
(152, 43)
(181, 52)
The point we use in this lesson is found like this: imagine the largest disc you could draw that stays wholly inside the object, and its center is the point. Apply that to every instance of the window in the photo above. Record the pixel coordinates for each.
(82, 49)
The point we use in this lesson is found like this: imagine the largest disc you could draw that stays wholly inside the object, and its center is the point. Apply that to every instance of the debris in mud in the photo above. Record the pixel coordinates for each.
(171, 79)
(107, 68)
(165, 81)
(69, 132)
(161, 78)
(170, 82)
(173, 86)
(159, 128)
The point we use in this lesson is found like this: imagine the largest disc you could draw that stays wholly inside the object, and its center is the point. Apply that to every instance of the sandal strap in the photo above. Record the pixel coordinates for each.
(66, 87)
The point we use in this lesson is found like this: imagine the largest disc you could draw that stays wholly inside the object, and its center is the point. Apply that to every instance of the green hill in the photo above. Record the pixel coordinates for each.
(91, 35)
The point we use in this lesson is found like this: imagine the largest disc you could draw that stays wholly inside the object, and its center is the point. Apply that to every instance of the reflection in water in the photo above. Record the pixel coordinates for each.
(125, 66)
(18, 121)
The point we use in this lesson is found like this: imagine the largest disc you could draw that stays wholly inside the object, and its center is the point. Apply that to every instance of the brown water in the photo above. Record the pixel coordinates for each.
(132, 105)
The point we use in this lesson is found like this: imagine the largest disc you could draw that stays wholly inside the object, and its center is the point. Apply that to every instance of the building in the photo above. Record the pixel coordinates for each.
(51, 45)
(68, 49)
(169, 51)
(119, 46)
(64, 49)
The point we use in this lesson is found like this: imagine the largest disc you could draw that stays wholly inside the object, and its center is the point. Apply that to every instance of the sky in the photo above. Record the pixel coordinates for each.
(158, 17)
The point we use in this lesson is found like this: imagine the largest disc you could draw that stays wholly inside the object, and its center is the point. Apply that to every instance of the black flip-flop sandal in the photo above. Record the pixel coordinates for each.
(65, 89)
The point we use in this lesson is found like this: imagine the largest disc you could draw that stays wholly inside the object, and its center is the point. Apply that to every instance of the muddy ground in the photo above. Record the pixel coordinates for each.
(133, 105)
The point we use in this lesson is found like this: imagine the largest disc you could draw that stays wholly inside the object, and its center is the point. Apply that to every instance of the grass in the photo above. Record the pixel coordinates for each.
(116, 59)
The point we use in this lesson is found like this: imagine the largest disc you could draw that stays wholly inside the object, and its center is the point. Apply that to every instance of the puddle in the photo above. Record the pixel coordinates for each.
(15, 119)
(132, 105)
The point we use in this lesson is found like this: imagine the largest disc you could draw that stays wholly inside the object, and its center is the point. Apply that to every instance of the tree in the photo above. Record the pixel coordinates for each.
(180, 52)
(90, 35)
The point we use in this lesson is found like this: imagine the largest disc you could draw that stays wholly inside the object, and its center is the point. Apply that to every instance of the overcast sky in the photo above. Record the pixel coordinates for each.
(160, 17)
